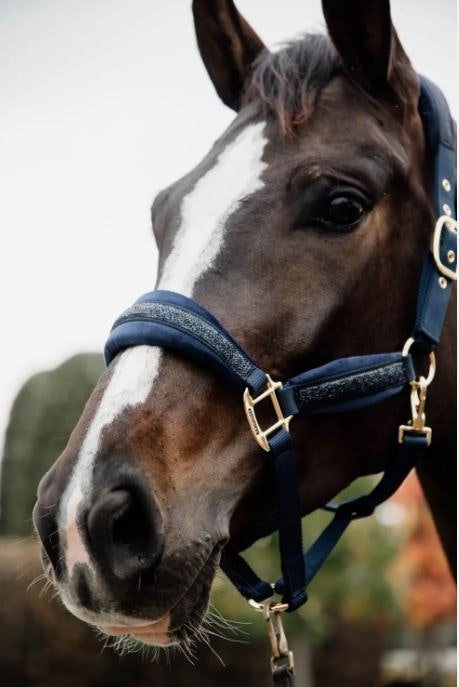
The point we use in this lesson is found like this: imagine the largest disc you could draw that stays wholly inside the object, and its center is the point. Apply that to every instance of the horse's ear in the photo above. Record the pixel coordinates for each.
(364, 38)
(228, 47)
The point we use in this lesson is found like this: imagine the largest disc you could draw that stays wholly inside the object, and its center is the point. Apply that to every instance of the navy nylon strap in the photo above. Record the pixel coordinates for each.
(435, 287)
(243, 577)
(283, 676)
(405, 458)
(289, 507)
(433, 298)
(290, 537)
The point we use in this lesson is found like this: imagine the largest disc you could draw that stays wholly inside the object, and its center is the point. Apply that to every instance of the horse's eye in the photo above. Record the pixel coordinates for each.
(345, 210)
(342, 212)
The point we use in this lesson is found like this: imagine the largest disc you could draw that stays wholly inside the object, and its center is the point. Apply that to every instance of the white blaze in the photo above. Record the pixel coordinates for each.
(204, 211)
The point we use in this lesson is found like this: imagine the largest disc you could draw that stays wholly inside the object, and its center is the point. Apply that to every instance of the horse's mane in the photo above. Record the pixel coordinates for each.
(288, 81)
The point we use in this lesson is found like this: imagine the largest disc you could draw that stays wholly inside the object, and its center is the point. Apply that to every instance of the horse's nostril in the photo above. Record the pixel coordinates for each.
(132, 538)
(125, 531)
(47, 530)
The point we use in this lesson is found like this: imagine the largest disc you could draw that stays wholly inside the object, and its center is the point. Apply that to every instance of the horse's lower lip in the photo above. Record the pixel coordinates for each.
(158, 627)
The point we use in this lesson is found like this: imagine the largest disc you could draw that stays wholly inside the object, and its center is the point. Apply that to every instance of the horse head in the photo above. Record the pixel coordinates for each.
(302, 230)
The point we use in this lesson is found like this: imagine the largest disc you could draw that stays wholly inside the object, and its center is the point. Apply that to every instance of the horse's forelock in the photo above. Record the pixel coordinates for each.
(287, 82)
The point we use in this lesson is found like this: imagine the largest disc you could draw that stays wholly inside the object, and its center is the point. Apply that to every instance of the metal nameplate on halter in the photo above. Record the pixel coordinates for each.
(446, 271)
(261, 435)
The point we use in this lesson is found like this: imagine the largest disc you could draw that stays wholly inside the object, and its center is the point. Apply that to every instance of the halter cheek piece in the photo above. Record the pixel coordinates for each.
(170, 320)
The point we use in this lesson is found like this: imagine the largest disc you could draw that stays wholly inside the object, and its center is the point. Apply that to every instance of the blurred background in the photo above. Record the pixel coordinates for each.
(103, 103)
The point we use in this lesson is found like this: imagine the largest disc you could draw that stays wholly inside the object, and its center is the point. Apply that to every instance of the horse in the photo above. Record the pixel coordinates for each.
(303, 230)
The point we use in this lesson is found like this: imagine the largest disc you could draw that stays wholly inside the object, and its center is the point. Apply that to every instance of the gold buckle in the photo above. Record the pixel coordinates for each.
(260, 435)
(452, 224)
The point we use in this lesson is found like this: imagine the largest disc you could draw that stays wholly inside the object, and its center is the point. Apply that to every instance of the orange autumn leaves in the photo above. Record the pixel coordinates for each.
(421, 568)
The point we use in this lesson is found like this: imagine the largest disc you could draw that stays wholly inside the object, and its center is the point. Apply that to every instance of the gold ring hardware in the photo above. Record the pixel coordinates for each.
(260, 435)
(261, 607)
(432, 361)
(451, 223)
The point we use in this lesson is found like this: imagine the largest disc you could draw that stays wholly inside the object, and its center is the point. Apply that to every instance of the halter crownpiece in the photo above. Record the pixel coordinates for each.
(170, 320)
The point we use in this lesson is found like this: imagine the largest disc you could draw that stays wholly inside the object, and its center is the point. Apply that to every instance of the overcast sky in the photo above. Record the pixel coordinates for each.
(103, 102)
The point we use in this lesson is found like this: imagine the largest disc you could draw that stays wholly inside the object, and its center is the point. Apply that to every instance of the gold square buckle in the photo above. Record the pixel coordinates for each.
(260, 435)
(446, 271)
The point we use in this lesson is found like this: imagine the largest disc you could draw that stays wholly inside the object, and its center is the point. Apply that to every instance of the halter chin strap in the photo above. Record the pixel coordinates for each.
(172, 321)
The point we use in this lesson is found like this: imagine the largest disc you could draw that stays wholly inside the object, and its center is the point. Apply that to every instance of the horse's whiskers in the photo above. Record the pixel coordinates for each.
(36, 579)
(216, 618)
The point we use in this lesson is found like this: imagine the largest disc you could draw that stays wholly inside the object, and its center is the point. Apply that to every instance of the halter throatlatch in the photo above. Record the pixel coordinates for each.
(172, 321)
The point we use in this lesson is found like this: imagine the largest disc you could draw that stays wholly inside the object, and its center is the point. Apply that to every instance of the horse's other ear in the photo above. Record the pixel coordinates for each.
(228, 47)
(364, 38)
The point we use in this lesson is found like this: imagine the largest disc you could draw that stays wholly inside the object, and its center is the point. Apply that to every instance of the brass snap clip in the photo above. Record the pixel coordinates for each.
(418, 396)
(417, 424)
(281, 656)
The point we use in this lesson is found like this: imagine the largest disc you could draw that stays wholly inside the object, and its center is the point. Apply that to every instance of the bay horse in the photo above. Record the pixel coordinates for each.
(303, 230)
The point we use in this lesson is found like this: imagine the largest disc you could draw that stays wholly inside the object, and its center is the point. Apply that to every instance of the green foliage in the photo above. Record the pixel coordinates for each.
(42, 417)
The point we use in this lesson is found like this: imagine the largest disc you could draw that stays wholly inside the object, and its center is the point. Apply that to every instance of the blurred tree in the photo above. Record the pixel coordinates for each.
(42, 417)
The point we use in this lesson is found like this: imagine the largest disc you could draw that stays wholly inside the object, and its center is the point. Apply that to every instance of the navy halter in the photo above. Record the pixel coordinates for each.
(172, 321)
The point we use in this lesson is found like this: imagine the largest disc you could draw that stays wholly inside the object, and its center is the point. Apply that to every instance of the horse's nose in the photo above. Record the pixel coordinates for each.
(125, 531)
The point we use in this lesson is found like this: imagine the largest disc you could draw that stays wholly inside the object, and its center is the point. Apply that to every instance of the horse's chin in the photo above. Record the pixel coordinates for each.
(177, 625)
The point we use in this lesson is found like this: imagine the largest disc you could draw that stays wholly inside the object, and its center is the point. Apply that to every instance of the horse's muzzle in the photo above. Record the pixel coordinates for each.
(115, 533)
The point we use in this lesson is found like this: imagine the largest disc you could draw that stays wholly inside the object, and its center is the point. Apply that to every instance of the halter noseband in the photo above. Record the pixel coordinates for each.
(172, 321)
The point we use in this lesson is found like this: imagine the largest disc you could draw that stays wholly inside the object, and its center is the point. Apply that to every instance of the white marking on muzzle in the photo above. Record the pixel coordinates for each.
(134, 373)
